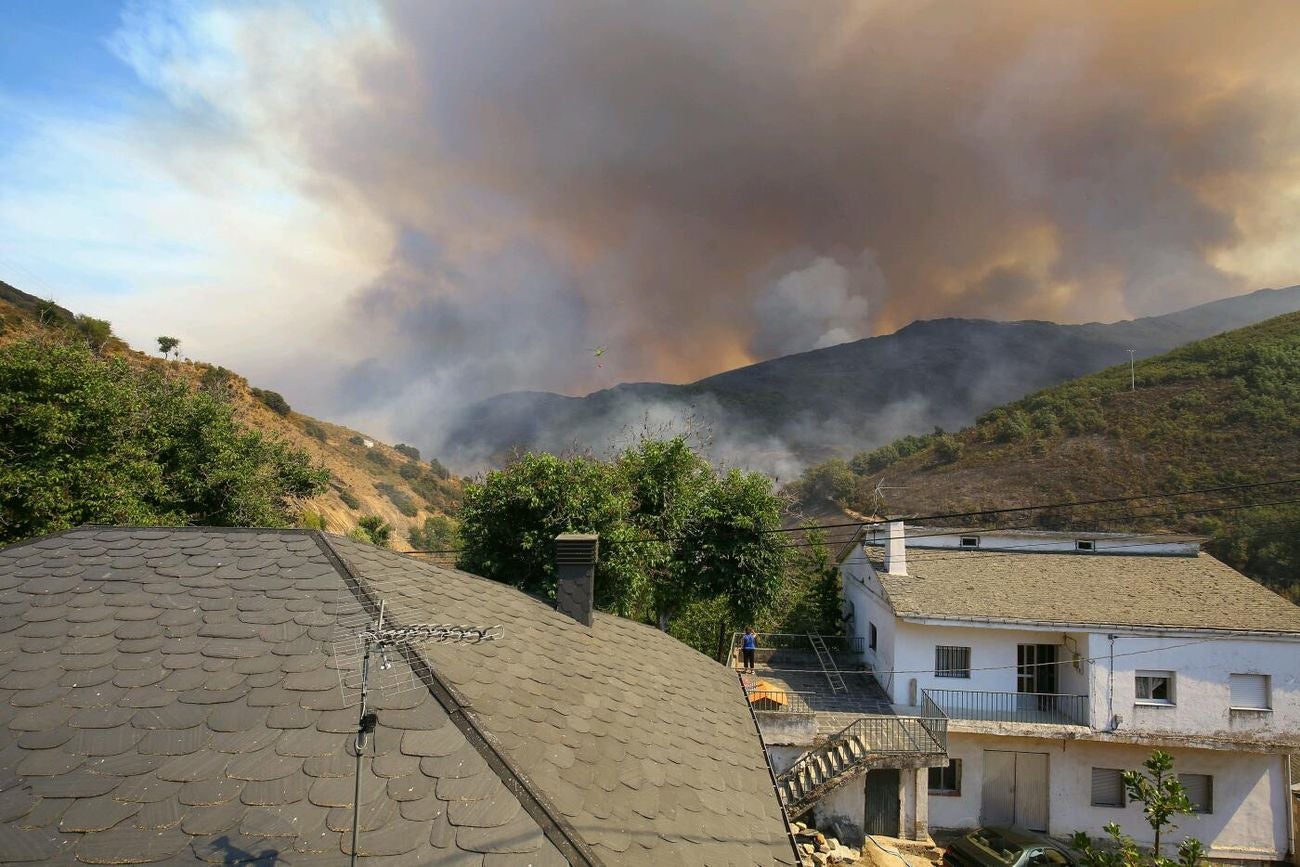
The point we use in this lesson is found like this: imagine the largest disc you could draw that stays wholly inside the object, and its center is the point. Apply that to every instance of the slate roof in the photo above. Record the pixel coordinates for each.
(1103, 589)
(166, 695)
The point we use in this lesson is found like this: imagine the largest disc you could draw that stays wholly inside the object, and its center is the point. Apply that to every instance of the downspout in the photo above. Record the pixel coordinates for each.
(1110, 686)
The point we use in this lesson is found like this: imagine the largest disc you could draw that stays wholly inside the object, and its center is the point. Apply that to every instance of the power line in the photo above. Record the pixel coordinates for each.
(857, 525)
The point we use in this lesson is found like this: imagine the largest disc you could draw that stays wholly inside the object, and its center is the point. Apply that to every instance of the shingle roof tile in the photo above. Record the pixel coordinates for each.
(1102, 589)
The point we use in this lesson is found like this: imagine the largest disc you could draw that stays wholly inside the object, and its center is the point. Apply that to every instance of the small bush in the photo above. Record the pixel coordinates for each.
(438, 469)
(410, 471)
(357, 440)
(439, 533)
(372, 529)
(947, 448)
(410, 451)
(378, 457)
(313, 520)
(96, 331)
(349, 499)
(273, 401)
(314, 430)
(215, 380)
(404, 503)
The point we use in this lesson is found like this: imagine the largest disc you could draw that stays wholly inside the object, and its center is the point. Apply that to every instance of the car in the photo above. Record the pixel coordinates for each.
(1007, 847)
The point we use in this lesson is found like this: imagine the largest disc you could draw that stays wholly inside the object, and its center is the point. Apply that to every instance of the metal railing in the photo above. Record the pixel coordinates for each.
(1014, 707)
(779, 701)
(795, 649)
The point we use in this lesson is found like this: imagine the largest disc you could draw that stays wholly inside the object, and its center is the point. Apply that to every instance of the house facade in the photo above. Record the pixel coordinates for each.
(1060, 661)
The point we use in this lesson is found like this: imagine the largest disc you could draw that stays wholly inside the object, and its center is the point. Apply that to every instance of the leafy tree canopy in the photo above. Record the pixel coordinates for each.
(674, 532)
(90, 440)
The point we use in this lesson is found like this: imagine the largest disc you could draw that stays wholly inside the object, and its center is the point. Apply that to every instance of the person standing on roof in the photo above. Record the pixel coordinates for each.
(747, 645)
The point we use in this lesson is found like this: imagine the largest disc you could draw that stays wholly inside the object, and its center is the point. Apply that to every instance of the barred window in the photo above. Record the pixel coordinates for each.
(951, 661)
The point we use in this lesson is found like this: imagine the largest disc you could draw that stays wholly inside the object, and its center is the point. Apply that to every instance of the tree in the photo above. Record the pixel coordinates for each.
(812, 600)
(273, 401)
(439, 533)
(85, 439)
(1162, 797)
(829, 480)
(167, 344)
(96, 331)
(409, 451)
(673, 532)
(372, 530)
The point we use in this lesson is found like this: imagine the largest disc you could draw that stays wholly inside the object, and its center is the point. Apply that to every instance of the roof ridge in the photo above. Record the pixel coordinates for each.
(553, 825)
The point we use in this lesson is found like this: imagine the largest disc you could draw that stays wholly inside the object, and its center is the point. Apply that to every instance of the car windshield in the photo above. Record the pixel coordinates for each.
(1004, 850)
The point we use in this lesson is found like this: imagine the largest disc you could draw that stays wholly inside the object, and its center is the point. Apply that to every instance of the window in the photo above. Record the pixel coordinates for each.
(872, 642)
(951, 661)
(1154, 687)
(1084, 545)
(1249, 692)
(969, 541)
(1200, 791)
(946, 781)
(1107, 787)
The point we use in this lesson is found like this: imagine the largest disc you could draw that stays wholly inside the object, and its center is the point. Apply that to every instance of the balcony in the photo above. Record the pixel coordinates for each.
(1038, 708)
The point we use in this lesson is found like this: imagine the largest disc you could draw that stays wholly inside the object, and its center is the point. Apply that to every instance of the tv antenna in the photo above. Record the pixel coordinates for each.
(878, 496)
(1132, 371)
(357, 640)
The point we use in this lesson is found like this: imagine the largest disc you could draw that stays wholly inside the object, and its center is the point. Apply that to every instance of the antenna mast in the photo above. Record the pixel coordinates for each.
(380, 638)
(1132, 376)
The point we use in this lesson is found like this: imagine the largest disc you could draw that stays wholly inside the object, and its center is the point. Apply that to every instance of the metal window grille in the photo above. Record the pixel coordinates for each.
(1249, 691)
(1107, 787)
(951, 661)
(1200, 791)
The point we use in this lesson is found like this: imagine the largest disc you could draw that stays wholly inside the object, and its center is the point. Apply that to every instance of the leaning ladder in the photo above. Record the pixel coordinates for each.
(827, 662)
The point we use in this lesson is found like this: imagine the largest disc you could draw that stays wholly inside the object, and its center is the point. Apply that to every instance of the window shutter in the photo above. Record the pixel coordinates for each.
(1200, 791)
(1249, 690)
(1107, 787)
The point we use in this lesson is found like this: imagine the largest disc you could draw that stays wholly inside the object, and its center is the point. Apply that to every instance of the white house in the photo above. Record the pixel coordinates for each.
(1062, 660)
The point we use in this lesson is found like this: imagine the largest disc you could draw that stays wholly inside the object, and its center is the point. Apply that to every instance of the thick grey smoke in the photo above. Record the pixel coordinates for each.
(589, 192)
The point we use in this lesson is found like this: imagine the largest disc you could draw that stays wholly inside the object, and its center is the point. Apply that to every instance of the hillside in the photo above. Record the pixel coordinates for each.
(1220, 411)
(807, 407)
(368, 477)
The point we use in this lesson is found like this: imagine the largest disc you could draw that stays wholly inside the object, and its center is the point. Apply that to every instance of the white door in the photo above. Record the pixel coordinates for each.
(1031, 791)
(998, 806)
(1014, 790)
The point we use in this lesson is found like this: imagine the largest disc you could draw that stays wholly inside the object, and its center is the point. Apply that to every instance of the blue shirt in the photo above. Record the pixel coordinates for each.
(748, 642)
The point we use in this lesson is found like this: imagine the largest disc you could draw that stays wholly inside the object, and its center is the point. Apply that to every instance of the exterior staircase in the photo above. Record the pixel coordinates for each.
(855, 750)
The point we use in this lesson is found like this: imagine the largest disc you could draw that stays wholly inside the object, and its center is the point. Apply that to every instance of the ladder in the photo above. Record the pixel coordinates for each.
(827, 663)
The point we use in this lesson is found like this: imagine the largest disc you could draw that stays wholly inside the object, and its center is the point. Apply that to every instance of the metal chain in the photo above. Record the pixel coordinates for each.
(434, 632)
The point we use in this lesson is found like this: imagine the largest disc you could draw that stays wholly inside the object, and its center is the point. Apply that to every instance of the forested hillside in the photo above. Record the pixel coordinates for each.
(1218, 412)
(362, 476)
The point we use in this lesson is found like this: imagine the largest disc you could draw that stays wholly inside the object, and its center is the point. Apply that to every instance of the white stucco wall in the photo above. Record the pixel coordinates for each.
(863, 591)
(1201, 676)
(1251, 801)
(992, 658)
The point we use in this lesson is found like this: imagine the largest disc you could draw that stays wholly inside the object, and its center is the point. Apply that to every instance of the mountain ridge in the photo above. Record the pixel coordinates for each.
(938, 372)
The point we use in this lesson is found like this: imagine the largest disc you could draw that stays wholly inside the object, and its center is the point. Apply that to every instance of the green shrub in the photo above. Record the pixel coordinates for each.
(314, 430)
(372, 530)
(410, 471)
(947, 448)
(272, 400)
(349, 499)
(96, 331)
(409, 451)
(313, 520)
(438, 469)
(375, 456)
(439, 533)
(357, 440)
(404, 503)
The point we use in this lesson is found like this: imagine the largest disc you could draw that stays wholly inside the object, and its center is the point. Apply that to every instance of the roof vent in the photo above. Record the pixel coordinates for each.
(575, 571)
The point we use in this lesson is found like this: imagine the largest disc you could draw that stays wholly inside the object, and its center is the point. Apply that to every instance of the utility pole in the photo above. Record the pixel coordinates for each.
(1132, 376)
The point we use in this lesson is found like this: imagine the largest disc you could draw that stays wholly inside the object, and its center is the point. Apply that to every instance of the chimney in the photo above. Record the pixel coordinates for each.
(896, 549)
(575, 572)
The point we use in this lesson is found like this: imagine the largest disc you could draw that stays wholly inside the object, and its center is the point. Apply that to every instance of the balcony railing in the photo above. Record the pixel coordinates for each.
(1013, 707)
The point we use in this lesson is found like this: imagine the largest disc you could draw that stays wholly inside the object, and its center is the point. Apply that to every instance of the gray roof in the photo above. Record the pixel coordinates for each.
(1103, 589)
(166, 695)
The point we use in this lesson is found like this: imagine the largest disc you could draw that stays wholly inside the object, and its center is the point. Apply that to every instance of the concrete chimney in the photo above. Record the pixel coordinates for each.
(575, 572)
(896, 549)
